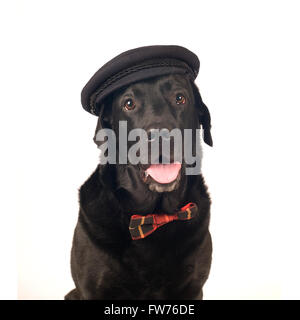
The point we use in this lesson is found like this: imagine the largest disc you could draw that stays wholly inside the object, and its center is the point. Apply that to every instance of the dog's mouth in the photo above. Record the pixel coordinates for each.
(163, 173)
(162, 177)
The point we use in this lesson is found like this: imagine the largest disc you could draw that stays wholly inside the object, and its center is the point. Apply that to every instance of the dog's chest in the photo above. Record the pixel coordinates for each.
(153, 270)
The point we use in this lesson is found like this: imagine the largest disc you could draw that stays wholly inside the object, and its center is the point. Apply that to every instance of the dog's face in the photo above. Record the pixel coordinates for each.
(165, 102)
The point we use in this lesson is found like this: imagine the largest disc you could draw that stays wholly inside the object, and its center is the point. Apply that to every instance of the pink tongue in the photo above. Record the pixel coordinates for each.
(164, 173)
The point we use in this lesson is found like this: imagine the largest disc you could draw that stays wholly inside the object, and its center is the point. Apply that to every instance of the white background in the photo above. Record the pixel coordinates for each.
(249, 78)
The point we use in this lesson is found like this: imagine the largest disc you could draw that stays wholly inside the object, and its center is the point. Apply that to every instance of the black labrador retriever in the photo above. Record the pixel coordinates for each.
(174, 261)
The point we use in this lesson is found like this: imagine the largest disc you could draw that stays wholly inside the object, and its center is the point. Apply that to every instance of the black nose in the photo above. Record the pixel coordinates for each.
(157, 137)
(154, 134)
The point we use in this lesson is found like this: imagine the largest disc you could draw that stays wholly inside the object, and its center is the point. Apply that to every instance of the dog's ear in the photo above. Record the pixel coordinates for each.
(203, 114)
(104, 118)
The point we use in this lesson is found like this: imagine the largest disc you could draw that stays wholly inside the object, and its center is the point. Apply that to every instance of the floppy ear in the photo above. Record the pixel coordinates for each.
(104, 118)
(204, 115)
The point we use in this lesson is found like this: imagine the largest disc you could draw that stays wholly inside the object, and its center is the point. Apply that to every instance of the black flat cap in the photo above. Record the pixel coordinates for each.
(136, 65)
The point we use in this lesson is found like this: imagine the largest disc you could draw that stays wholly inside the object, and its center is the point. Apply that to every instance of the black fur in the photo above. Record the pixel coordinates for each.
(174, 261)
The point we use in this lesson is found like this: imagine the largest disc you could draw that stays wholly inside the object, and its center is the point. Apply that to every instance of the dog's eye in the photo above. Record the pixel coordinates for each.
(129, 104)
(180, 98)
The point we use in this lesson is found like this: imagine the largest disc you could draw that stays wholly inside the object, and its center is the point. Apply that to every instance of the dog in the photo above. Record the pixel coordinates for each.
(174, 261)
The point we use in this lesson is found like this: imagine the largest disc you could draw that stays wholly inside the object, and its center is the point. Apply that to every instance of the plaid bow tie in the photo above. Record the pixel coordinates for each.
(142, 226)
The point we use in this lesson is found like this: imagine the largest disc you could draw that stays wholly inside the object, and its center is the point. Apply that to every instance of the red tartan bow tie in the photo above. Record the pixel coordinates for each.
(142, 226)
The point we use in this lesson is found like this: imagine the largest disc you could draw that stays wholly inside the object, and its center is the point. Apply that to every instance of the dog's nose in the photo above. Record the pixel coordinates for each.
(163, 146)
(154, 134)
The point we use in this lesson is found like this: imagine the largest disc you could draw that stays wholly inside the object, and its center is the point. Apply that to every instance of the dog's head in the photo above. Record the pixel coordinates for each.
(164, 102)
(150, 89)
